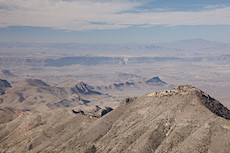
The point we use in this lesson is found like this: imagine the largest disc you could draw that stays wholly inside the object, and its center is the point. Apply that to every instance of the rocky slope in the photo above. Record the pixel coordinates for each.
(36, 95)
(4, 85)
(183, 119)
(32, 94)
(80, 88)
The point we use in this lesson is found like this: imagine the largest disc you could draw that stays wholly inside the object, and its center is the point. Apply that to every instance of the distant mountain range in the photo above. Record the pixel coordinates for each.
(101, 60)
(95, 54)
(34, 94)
(136, 83)
(133, 49)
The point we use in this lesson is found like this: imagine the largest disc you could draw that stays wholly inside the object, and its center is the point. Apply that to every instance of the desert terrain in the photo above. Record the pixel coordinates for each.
(88, 98)
(200, 63)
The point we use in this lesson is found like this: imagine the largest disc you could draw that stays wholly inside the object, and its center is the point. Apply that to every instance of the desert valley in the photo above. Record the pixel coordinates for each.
(115, 98)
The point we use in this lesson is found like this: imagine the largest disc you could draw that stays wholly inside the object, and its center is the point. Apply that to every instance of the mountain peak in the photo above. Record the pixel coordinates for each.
(155, 79)
(35, 82)
(213, 105)
(83, 88)
(182, 90)
(82, 83)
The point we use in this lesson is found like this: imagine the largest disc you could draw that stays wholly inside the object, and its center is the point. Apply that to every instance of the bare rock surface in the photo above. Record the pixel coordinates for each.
(183, 119)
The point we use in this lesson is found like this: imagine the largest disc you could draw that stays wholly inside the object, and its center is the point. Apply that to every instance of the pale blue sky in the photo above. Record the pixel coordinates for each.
(110, 21)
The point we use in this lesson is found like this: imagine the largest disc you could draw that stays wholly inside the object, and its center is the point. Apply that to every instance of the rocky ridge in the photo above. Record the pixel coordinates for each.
(212, 104)
(183, 119)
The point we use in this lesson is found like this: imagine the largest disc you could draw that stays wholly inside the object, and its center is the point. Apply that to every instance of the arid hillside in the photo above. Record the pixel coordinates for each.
(183, 119)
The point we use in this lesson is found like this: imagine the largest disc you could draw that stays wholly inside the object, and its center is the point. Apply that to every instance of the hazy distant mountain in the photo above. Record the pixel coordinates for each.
(81, 60)
(136, 83)
(101, 54)
(6, 74)
(79, 88)
(195, 44)
(134, 87)
(128, 49)
(155, 81)
(127, 76)
(184, 119)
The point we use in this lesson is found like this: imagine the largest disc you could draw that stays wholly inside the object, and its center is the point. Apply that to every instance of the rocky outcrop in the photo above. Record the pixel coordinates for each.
(4, 84)
(94, 112)
(213, 105)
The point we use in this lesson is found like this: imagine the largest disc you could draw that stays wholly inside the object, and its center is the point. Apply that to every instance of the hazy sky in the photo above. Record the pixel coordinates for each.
(114, 21)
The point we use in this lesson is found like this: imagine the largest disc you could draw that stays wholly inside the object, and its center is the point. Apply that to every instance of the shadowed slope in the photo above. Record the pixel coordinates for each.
(4, 84)
(80, 88)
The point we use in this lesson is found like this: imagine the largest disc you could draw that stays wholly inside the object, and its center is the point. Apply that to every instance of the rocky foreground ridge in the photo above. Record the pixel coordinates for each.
(213, 105)
(183, 119)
